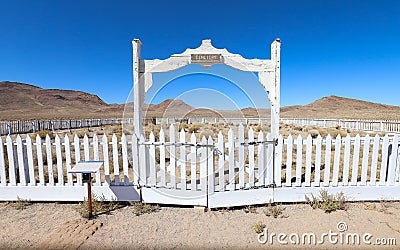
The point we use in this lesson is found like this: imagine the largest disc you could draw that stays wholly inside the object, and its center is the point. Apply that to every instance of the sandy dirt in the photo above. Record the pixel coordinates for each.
(179, 228)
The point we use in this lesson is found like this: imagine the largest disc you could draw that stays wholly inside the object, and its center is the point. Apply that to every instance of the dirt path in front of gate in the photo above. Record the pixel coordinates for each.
(41, 225)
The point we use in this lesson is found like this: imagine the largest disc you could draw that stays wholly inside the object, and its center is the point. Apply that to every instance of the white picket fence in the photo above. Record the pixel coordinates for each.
(176, 168)
(384, 126)
(22, 127)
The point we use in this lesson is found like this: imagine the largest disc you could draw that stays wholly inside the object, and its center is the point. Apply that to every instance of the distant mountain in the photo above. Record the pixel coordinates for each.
(24, 101)
(28, 96)
(341, 107)
(171, 105)
(19, 101)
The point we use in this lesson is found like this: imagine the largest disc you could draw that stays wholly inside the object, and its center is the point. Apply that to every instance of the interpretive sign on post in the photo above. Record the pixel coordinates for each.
(87, 168)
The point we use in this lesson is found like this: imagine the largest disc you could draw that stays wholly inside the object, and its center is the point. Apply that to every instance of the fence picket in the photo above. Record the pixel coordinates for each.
(308, 161)
(289, 156)
(3, 176)
(270, 168)
(162, 159)
(182, 159)
(77, 149)
(152, 161)
(31, 167)
(278, 162)
(251, 157)
(221, 162)
(210, 172)
(125, 165)
(172, 154)
(11, 163)
(60, 171)
(40, 159)
(261, 160)
(346, 160)
(203, 164)
(384, 162)
(356, 153)
(193, 171)
(317, 171)
(68, 158)
(364, 167)
(114, 142)
(49, 161)
(299, 160)
(336, 160)
(106, 159)
(231, 157)
(20, 161)
(135, 159)
(374, 163)
(241, 155)
(96, 157)
(86, 148)
(327, 168)
(391, 175)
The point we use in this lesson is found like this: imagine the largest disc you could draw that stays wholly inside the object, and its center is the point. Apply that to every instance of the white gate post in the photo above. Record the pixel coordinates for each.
(275, 100)
(138, 84)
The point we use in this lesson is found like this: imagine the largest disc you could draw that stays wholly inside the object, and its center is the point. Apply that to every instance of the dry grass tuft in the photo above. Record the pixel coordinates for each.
(21, 204)
(99, 205)
(259, 227)
(275, 210)
(140, 208)
(328, 203)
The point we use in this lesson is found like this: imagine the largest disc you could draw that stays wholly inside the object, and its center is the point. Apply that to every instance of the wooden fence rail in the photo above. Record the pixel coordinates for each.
(36, 169)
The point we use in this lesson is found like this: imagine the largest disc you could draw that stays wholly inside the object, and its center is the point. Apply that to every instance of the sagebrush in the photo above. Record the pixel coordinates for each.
(327, 202)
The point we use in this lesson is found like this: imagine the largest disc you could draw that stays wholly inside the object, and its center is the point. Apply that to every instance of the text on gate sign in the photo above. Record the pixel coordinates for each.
(206, 58)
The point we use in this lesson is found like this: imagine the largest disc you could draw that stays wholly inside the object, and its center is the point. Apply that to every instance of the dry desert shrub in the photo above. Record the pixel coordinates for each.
(259, 227)
(21, 204)
(275, 210)
(42, 134)
(99, 205)
(250, 209)
(314, 133)
(139, 208)
(193, 129)
(327, 202)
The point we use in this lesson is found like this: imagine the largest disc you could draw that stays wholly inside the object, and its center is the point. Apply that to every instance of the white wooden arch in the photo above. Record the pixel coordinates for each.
(206, 54)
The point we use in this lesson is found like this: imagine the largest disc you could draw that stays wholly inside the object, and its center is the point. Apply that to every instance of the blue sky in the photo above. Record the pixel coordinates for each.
(345, 47)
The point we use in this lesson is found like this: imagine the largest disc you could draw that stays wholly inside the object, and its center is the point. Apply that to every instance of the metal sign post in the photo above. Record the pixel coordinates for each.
(87, 168)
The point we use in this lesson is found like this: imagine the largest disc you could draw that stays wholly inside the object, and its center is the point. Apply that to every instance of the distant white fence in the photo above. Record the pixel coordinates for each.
(22, 127)
(385, 126)
(176, 168)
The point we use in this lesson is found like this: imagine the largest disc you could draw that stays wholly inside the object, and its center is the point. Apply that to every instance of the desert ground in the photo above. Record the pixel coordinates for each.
(187, 227)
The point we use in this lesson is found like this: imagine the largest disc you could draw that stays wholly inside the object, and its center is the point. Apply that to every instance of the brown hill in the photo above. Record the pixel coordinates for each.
(20, 101)
(170, 106)
(32, 97)
(24, 101)
(341, 107)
